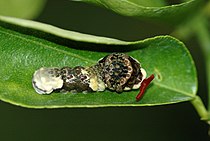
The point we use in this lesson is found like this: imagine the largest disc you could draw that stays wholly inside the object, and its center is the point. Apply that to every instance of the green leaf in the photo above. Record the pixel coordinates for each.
(151, 9)
(149, 3)
(28, 9)
(25, 46)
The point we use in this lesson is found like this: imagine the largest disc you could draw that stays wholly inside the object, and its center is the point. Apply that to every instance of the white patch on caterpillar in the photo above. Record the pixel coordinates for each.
(44, 82)
(101, 85)
(144, 75)
(94, 83)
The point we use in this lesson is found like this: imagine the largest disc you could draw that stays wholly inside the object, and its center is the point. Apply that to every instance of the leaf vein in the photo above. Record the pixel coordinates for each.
(174, 89)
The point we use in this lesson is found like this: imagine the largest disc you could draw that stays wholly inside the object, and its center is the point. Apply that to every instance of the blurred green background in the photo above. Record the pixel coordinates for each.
(177, 122)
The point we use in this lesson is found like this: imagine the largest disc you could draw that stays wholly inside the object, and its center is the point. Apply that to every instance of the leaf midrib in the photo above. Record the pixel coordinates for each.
(174, 89)
(148, 7)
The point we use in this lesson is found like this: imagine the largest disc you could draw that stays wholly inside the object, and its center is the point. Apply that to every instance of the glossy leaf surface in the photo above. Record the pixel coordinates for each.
(25, 46)
(150, 9)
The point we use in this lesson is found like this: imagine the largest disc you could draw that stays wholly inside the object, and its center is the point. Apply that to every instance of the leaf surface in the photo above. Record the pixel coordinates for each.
(151, 9)
(27, 9)
(25, 46)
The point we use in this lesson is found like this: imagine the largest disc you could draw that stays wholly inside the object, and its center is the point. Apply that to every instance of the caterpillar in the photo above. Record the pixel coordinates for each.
(116, 72)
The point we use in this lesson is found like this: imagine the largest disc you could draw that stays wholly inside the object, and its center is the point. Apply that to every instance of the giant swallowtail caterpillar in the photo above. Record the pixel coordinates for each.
(116, 72)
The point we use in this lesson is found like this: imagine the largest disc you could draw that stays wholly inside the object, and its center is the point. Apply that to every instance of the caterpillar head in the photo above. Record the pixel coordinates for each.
(121, 72)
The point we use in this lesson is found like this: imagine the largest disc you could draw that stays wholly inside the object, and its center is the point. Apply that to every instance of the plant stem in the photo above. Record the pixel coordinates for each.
(200, 108)
(199, 26)
(206, 9)
(204, 39)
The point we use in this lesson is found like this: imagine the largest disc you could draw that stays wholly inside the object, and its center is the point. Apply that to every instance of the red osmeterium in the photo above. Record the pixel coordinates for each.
(143, 86)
